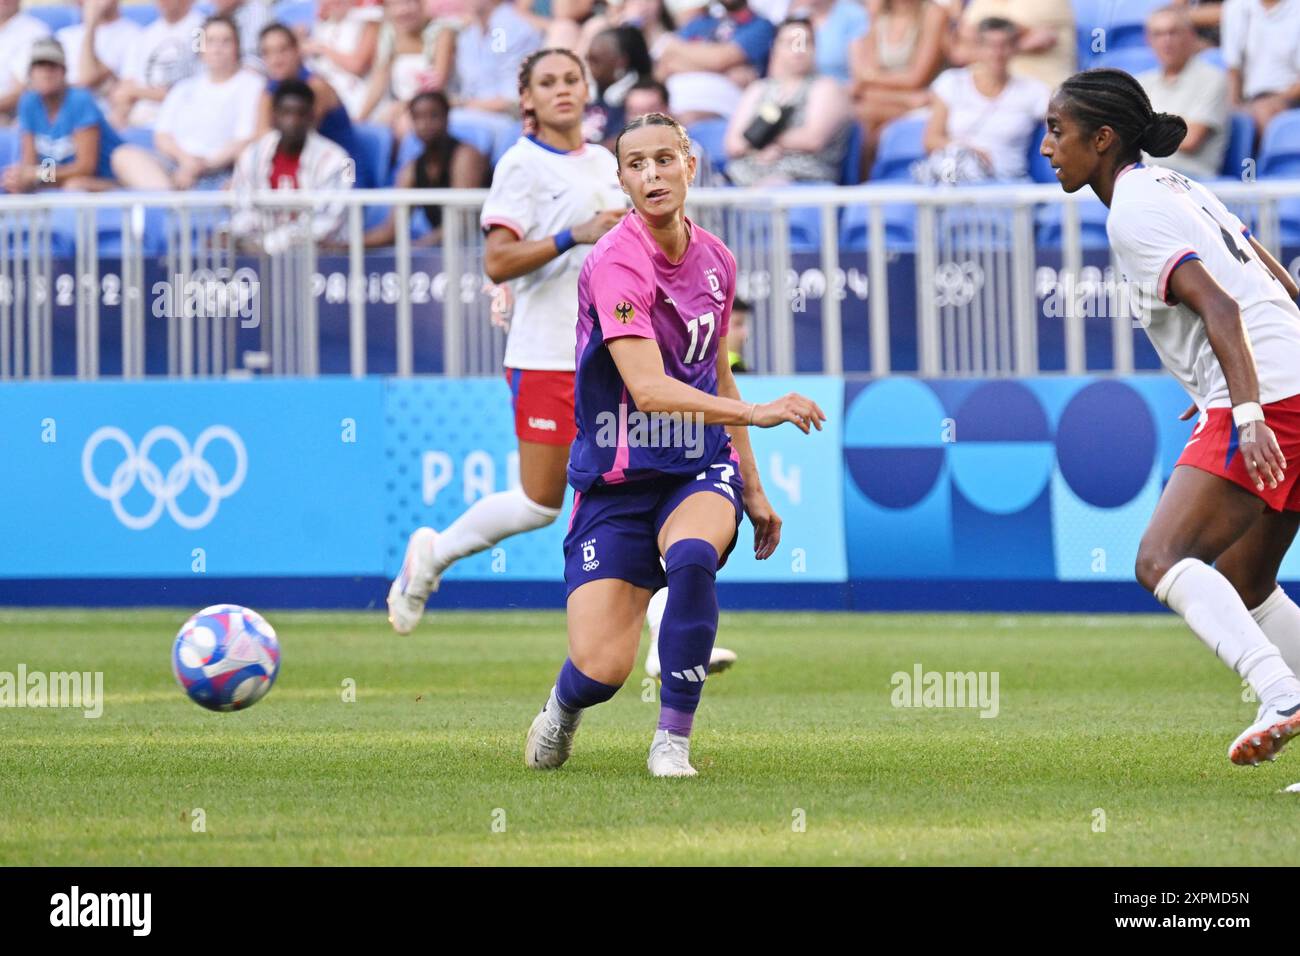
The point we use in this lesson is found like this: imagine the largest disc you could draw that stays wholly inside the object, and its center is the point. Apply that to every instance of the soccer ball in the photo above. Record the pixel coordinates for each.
(226, 657)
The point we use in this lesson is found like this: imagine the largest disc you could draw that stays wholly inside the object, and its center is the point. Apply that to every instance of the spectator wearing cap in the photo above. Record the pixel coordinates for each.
(1261, 47)
(290, 156)
(205, 121)
(709, 60)
(793, 125)
(164, 54)
(983, 115)
(617, 60)
(279, 51)
(1188, 86)
(66, 142)
(1046, 49)
(18, 31)
(97, 47)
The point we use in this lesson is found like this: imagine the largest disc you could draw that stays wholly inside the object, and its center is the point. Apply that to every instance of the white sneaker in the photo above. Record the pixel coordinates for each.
(670, 755)
(414, 583)
(719, 660)
(1264, 739)
(550, 738)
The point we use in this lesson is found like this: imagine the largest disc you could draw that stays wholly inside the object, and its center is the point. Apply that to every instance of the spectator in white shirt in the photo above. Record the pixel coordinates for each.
(341, 48)
(165, 53)
(17, 33)
(1261, 46)
(982, 116)
(1187, 86)
(97, 47)
(205, 121)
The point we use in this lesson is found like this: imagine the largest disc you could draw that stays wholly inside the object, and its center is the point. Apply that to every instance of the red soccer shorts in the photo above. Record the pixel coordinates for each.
(543, 404)
(1213, 448)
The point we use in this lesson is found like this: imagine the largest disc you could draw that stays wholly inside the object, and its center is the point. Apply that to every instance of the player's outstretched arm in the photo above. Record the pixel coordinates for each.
(1193, 286)
(642, 369)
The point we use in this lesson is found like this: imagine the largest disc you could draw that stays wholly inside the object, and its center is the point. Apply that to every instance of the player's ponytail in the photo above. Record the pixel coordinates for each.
(1107, 97)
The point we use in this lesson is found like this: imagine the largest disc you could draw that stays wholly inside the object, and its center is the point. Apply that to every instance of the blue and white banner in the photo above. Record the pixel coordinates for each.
(173, 479)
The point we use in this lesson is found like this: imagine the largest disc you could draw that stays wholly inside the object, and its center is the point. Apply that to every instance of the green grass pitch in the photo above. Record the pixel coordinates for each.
(1109, 748)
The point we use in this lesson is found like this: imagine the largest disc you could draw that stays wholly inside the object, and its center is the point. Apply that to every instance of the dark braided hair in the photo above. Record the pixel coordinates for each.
(526, 77)
(655, 119)
(1107, 97)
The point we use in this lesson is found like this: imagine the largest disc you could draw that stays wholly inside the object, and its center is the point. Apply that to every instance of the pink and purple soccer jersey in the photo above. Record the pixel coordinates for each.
(628, 287)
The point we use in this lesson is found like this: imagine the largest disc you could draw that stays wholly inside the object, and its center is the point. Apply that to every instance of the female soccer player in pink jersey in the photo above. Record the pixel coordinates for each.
(1221, 313)
(661, 464)
(552, 196)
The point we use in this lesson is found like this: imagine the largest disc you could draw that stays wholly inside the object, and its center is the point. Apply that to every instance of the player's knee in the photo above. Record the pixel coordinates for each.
(540, 514)
(1153, 562)
(688, 555)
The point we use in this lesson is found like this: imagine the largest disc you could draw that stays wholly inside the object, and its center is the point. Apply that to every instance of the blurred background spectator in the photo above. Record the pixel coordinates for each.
(204, 123)
(709, 60)
(651, 96)
(894, 64)
(792, 126)
(341, 48)
(413, 52)
(18, 31)
(444, 162)
(65, 141)
(249, 17)
(97, 48)
(617, 60)
(283, 60)
(162, 55)
(490, 48)
(1190, 87)
(983, 116)
(1045, 45)
(1261, 47)
(291, 156)
(648, 16)
(837, 25)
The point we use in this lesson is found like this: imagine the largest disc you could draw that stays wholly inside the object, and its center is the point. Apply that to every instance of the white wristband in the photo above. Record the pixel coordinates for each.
(1247, 412)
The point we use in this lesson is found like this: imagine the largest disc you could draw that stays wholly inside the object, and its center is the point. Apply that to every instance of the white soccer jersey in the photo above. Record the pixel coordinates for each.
(1158, 220)
(536, 192)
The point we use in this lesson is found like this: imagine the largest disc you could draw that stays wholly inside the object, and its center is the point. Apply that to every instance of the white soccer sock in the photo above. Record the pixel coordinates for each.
(1279, 618)
(487, 521)
(1214, 611)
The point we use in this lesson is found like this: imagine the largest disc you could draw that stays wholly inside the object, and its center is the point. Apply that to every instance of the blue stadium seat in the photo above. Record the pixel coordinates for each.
(1214, 57)
(899, 222)
(1049, 221)
(1131, 59)
(407, 151)
(55, 17)
(1288, 215)
(138, 136)
(108, 232)
(1241, 140)
(1040, 170)
(850, 170)
(142, 13)
(294, 13)
(1127, 26)
(10, 141)
(374, 151)
(900, 146)
(711, 134)
(1279, 152)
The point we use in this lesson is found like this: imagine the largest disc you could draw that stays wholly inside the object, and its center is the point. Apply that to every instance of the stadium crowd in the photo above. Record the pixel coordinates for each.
(180, 95)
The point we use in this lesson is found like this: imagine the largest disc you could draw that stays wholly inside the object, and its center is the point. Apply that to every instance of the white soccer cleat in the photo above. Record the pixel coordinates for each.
(550, 738)
(719, 660)
(414, 583)
(1265, 738)
(670, 755)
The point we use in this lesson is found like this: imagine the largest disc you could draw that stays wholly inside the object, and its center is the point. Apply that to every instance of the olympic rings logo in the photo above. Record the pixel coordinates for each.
(137, 466)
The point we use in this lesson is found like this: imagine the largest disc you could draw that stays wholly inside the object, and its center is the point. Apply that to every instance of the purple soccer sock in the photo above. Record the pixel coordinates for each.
(686, 635)
(575, 690)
